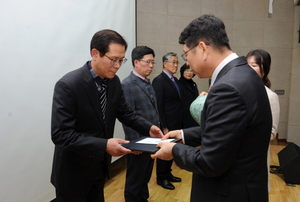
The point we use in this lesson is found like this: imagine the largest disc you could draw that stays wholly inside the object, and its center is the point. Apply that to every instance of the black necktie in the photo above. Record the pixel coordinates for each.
(103, 99)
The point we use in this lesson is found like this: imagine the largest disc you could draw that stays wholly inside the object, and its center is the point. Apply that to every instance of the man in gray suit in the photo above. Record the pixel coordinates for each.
(140, 95)
(231, 164)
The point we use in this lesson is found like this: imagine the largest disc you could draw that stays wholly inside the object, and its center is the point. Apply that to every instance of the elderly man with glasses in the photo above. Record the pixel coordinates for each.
(169, 105)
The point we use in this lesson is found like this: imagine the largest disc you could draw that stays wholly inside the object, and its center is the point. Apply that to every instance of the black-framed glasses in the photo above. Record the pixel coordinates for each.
(114, 62)
(148, 62)
(184, 56)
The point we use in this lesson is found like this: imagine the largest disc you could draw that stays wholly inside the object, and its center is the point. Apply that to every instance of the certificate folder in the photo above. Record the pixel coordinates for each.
(147, 144)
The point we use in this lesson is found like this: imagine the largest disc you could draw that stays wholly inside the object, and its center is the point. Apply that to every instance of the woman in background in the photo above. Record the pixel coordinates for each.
(260, 61)
(189, 92)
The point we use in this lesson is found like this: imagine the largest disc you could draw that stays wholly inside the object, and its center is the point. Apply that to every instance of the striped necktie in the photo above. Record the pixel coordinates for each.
(103, 98)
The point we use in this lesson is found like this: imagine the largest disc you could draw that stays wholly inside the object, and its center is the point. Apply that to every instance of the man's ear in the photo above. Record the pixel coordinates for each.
(135, 62)
(203, 48)
(94, 53)
(164, 64)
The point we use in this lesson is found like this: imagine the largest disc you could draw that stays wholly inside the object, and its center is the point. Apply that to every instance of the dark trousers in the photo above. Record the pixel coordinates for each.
(163, 169)
(82, 191)
(94, 195)
(138, 174)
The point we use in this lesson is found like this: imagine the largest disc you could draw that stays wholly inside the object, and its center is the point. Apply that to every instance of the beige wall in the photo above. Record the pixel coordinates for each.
(293, 119)
(249, 26)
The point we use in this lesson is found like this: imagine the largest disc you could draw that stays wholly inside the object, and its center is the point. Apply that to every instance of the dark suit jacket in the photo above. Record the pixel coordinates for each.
(142, 101)
(78, 131)
(189, 92)
(234, 135)
(168, 102)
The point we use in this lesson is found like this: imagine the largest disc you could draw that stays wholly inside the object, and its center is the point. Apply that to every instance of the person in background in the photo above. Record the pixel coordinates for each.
(86, 103)
(260, 61)
(140, 95)
(169, 105)
(234, 134)
(189, 92)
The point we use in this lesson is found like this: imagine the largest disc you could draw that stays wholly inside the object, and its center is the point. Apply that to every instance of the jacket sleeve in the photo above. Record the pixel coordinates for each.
(219, 134)
(159, 91)
(128, 90)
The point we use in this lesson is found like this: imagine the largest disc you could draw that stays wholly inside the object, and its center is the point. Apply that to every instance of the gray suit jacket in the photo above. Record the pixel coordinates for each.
(141, 98)
(234, 135)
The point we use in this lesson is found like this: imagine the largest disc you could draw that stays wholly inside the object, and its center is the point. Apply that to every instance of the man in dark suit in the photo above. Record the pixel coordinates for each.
(169, 105)
(231, 164)
(82, 128)
(140, 95)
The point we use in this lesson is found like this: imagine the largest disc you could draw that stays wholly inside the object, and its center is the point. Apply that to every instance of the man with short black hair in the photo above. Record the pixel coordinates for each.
(236, 121)
(86, 103)
(140, 95)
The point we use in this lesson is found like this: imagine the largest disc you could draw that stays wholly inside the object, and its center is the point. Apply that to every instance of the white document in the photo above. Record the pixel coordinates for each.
(149, 140)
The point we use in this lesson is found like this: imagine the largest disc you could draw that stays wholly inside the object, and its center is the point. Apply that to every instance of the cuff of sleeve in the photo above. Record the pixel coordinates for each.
(182, 134)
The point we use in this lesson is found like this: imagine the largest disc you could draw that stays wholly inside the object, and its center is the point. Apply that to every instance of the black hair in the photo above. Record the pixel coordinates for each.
(207, 28)
(183, 68)
(263, 60)
(139, 52)
(103, 38)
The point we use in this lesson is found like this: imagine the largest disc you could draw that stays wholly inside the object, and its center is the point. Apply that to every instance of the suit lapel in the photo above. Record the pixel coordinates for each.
(141, 85)
(92, 92)
(170, 83)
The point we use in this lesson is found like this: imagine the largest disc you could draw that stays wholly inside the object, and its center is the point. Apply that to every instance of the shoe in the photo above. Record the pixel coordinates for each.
(165, 184)
(172, 178)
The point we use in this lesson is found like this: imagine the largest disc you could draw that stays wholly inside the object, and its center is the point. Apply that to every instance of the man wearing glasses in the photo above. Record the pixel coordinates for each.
(140, 95)
(86, 103)
(236, 121)
(170, 111)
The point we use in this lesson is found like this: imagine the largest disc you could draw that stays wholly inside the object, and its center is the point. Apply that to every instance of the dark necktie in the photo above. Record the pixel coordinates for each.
(103, 98)
(173, 79)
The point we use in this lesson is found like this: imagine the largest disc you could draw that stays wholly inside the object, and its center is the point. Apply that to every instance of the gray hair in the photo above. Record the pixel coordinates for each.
(168, 56)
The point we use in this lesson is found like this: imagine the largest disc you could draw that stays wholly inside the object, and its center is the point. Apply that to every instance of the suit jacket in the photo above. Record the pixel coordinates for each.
(234, 135)
(168, 102)
(78, 130)
(189, 92)
(141, 98)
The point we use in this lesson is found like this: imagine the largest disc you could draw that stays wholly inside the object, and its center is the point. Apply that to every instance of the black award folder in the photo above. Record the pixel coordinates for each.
(147, 144)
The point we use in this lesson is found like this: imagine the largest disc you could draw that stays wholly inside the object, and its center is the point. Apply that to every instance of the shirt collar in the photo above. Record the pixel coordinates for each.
(229, 58)
(168, 74)
(95, 76)
(140, 76)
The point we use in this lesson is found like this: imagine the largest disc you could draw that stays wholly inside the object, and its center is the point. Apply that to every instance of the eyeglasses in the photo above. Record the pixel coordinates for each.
(148, 62)
(173, 62)
(184, 55)
(114, 62)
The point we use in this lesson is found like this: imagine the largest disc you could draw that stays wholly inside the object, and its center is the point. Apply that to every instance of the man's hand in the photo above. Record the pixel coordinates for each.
(165, 151)
(203, 93)
(173, 134)
(115, 148)
(155, 131)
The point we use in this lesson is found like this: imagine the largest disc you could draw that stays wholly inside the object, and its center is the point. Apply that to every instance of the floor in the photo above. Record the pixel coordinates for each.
(114, 188)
